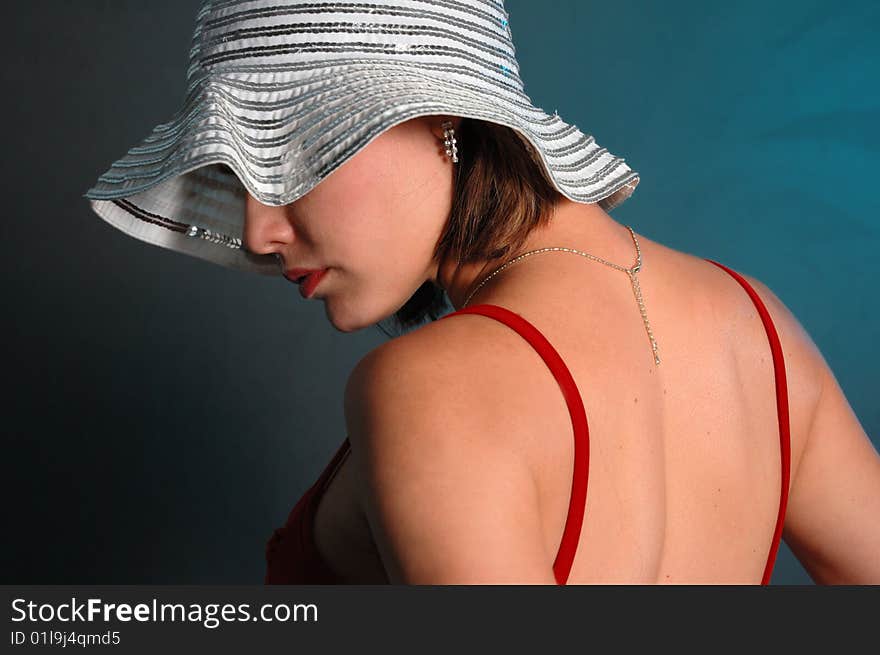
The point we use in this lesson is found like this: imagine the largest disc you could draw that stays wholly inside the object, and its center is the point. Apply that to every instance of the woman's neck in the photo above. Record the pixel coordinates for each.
(574, 225)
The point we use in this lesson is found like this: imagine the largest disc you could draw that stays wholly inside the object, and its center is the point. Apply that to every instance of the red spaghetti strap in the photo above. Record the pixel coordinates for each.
(578, 501)
(782, 412)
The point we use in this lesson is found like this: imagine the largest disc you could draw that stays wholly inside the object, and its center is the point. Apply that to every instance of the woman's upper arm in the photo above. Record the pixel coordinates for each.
(832, 521)
(446, 504)
(833, 515)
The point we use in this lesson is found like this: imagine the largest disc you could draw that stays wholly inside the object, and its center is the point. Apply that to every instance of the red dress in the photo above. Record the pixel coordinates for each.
(292, 558)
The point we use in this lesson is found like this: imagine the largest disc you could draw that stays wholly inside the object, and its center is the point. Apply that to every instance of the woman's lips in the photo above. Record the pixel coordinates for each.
(308, 285)
(294, 274)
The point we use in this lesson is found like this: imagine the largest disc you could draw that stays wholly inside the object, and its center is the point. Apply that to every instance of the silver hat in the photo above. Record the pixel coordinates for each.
(280, 94)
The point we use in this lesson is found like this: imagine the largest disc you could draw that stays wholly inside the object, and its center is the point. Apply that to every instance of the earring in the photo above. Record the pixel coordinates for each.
(449, 141)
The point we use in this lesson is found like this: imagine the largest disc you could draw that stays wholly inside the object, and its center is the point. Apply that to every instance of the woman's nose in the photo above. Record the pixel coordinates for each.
(267, 229)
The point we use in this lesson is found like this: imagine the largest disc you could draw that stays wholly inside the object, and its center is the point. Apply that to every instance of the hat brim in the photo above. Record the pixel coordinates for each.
(281, 132)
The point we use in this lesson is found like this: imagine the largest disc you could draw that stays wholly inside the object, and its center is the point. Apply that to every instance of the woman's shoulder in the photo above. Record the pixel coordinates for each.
(804, 363)
(435, 359)
(455, 373)
(722, 297)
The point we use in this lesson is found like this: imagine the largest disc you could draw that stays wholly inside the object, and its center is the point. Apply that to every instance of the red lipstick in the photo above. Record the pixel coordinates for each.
(294, 274)
(307, 278)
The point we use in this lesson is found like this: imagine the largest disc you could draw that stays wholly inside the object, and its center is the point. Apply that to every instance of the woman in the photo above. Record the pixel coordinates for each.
(599, 408)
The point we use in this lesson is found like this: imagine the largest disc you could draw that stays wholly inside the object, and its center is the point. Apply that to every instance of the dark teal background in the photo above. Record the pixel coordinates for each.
(163, 414)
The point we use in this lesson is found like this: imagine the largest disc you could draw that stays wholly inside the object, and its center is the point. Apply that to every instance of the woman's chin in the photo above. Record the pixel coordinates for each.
(348, 319)
(343, 321)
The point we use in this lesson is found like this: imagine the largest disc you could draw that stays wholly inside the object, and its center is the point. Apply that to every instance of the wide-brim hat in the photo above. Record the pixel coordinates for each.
(280, 94)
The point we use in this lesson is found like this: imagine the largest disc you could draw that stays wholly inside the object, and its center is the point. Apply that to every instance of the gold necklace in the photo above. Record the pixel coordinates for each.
(632, 272)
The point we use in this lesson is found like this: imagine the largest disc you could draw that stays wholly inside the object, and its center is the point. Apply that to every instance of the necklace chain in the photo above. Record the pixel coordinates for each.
(632, 272)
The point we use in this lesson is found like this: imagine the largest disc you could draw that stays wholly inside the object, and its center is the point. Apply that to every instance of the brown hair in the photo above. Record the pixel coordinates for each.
(500, 196)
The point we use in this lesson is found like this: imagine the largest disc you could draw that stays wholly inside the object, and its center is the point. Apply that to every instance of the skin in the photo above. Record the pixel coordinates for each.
(461, 447)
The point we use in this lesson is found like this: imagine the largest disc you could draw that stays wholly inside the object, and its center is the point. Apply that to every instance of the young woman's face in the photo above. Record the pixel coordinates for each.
(374, 223)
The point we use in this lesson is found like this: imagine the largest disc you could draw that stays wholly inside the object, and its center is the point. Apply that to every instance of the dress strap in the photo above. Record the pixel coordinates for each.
(333, 466)
(781, 410)
(578, 500)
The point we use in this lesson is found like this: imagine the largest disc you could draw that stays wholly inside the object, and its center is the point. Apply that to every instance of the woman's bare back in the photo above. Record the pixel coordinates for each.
(685, 465)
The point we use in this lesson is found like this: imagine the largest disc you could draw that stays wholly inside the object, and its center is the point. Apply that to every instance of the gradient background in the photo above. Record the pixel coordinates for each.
(163, 414)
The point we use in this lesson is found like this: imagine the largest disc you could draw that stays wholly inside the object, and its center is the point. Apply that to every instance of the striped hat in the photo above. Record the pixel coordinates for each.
(280, 94)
